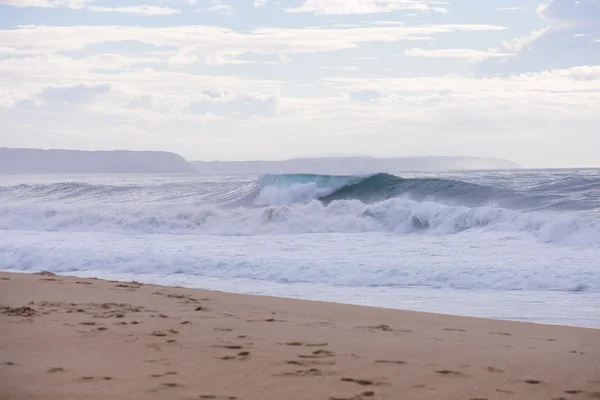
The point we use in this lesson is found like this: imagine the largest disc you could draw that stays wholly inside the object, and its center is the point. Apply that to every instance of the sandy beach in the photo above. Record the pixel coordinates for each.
(72, 338)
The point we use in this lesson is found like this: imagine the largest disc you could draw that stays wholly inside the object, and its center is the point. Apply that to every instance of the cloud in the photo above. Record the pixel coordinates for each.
(72, 94)
(522, 43)
(575, 13)
(260, 3)
(577, 79)
(74, 4)
(357, 7)
(365, 95)
(341, 67)
(566, 42)
(218, 6)
(215, 116)
(455, 53)
(239, 106)
(84, 4)
(140, 10)
(216, 45)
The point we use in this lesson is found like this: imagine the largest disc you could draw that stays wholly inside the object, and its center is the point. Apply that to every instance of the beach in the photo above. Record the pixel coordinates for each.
(72, 338)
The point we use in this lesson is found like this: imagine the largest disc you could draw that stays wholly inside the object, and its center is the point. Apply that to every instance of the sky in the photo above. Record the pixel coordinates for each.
(275, 79)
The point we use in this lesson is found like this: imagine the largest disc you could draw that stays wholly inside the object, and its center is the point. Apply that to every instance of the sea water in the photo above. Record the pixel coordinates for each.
(517, 245)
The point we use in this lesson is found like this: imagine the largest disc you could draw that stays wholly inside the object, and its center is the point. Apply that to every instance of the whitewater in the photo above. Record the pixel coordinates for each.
(520, 245)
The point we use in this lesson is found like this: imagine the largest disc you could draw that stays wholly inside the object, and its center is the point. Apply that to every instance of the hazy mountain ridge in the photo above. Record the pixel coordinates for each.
(356, 165)
(39, 161)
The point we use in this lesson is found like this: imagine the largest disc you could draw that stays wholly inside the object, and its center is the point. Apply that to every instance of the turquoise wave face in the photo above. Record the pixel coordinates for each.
(573, 194)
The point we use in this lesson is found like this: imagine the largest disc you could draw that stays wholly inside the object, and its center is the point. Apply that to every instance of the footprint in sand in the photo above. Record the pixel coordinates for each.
(92, 378)
(448, 372)
(266, 320)
(161, 375)
(166, 385)
(303, 344)
(228, 346)
(216, 397)
(18, 311)
(382, 327)
(318, 354)
(302, 373)
(389, 362)
(56, 369)
(532, 381)
(363, 382)
(241, 356)
(309, 362)
(361, 396)
(163, 333)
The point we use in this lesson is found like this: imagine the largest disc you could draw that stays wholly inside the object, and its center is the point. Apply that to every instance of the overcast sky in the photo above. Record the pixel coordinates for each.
(272, 79)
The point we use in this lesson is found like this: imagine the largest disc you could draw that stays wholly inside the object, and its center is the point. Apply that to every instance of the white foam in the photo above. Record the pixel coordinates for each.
(397, 216)
(495, 261)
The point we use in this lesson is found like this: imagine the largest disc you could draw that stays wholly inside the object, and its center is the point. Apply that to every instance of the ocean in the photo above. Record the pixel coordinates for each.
(517, 245)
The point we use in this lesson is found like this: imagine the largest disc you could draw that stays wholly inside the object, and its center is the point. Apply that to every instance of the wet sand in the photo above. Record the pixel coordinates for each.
(73, 338)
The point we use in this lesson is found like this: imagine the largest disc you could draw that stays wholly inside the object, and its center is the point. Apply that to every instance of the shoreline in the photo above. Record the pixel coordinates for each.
(519, 306)
(81, 338)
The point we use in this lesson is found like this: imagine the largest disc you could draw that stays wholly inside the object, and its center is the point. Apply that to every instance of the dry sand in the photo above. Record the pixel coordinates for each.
(71, 338)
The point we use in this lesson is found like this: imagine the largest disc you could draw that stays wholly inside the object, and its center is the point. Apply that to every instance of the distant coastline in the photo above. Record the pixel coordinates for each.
(36, 161)
(356, 165)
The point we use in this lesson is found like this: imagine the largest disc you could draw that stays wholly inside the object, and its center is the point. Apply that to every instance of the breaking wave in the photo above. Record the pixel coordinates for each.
(417, 232)
(293, 204)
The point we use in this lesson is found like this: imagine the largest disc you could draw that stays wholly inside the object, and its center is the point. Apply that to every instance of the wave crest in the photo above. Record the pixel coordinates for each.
(344, 216)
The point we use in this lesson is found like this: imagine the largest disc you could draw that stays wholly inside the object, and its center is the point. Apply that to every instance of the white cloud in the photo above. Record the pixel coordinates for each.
(387, 22)
(571, 79)
(218, 6)
(357, 7)
(574, 13)
(519, 44)
(219, 45)
(455, 53)
(141, 10)
(259, 3)
(74, 4)
(557, 46)
(138, 86)
(341, 67)
(435, 115)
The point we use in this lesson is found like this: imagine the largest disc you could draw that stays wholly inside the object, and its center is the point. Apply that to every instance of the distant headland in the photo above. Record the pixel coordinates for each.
(37, 161)
(356, 165)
